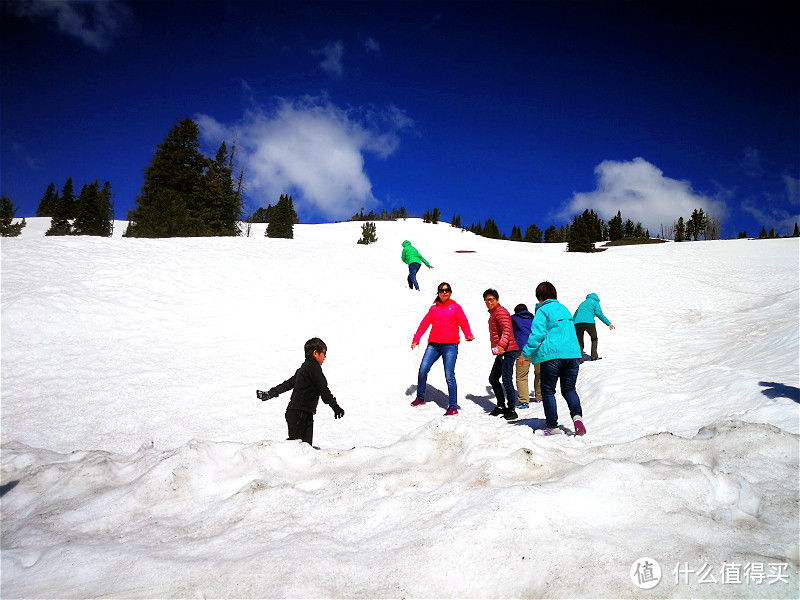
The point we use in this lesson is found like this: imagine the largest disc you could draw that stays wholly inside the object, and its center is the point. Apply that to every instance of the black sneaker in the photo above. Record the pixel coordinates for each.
(510, 414)
(498, 410)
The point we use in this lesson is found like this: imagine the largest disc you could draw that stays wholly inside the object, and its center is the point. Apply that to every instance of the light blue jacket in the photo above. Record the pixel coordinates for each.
(588, 310)
(552, 334)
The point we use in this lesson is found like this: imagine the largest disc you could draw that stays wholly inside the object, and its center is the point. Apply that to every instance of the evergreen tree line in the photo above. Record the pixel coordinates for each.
(91, 213)
(186, 194)
(384, 215)
(772, 234)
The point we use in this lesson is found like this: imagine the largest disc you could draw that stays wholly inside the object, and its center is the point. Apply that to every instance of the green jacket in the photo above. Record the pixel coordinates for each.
(410, 254)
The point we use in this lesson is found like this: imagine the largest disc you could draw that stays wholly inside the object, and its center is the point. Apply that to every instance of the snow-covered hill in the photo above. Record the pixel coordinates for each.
(137, 461)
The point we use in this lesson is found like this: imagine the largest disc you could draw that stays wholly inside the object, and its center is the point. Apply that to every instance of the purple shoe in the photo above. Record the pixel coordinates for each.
(579, 428)
(451, 410)
(418, 402)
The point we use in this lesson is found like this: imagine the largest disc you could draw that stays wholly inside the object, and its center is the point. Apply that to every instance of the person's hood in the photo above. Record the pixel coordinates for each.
(592, 297)
(523, 314)
(406, 243)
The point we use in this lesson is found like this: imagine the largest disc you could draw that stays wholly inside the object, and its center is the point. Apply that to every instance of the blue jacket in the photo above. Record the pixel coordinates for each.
(521, 325)
(552, 334)
(588, 310)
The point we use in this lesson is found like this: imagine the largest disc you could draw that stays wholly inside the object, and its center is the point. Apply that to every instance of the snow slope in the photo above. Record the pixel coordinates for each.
(137, 462)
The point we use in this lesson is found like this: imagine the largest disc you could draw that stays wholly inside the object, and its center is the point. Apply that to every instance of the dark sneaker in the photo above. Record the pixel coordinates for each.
(579, 428)
(451, 410)
(510, 414)
(418, 402)
(498, 410)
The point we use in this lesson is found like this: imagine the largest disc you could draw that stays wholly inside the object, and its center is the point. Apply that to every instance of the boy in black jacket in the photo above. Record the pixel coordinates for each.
(308, 384)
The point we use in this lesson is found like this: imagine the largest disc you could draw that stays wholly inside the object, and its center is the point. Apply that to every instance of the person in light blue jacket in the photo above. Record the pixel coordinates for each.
(584, 321)
(553, 345)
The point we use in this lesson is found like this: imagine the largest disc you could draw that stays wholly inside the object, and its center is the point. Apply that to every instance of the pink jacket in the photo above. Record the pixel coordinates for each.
(501, 331)
(446, 319)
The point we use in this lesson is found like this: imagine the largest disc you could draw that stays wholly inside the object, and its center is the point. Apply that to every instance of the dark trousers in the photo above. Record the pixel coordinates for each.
(301, 425)
(580, 329)
(503, 368)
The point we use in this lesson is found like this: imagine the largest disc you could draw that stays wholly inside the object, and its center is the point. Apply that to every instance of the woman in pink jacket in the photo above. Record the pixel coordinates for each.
(444, 318)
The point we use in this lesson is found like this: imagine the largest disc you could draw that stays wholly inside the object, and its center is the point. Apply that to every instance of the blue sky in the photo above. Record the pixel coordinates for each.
(525, 112)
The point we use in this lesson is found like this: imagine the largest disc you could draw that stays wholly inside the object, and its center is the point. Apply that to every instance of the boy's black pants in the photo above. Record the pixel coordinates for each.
(301, 425)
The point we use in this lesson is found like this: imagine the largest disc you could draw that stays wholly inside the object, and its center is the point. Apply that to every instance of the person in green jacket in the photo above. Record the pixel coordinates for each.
(584, 321)
(413, 258)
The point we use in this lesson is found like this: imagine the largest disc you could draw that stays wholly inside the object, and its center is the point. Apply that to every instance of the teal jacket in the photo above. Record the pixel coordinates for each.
(410, 254)
(588, 310)
(552, 334)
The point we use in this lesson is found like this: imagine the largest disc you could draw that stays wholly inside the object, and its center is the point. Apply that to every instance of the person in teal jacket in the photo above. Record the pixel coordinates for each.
(584, 321)
(553, 345)
(413, 258)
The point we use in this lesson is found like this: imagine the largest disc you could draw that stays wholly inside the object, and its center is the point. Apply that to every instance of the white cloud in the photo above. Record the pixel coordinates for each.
(96, 23)
(332, 58)
(641, 192)
(372, 47)
(310, 149)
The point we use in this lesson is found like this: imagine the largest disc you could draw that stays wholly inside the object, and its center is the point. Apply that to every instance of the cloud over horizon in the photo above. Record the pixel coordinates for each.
(311, 149)
(96, 24)
(641, 192)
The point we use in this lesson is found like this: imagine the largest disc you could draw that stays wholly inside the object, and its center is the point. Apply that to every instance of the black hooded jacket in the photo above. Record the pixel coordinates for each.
(308, 384)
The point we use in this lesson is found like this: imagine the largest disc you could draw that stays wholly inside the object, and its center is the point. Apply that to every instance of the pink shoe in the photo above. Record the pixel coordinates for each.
(579, 428)
(451, 410)
(418, 402)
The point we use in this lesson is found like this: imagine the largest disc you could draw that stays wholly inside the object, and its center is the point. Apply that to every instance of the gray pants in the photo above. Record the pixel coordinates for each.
(580, 329)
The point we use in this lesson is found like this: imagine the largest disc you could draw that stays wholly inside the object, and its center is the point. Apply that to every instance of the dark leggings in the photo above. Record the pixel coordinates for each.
(580, 329)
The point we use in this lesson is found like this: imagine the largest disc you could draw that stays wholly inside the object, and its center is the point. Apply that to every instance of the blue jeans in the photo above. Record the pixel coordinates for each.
(504, 367)
(449, 354)
(412, 275)
(550, 371)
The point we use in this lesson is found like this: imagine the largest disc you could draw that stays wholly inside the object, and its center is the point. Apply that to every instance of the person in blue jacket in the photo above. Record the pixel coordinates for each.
(553, 345)
(584, 321)
(521, 324)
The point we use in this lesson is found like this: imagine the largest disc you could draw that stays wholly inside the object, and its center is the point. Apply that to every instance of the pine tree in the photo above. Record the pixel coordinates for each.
(281, 224)
(219, 203)
(456, 221)
(491, 230)
(93, 212)
(533, 234)
(368, 233)
(551, 235)
(772, 234)
(763, 234)
(64, 211)
(516, 234)
(796, 231)
(680, 230)
(49, 201)
(580, 234)
(436, 214)
(7, 212)
(615, 229)
(168, 205)
(630, 229)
